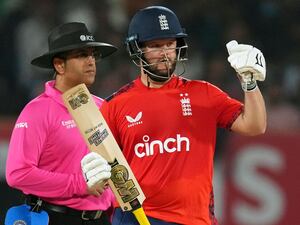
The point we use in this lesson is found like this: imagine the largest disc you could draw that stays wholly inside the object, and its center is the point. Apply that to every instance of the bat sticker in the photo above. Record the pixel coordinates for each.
(98, 137)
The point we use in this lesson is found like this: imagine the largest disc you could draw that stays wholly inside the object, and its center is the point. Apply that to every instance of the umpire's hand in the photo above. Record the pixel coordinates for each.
(96, 171)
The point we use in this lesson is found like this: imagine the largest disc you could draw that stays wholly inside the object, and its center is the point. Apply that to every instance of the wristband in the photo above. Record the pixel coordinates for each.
(248, 82)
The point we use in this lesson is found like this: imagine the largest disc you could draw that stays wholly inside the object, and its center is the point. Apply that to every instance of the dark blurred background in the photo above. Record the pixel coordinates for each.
(271, 25)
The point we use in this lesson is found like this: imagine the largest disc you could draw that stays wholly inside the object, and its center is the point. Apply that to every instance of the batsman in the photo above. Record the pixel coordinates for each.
(166, 124)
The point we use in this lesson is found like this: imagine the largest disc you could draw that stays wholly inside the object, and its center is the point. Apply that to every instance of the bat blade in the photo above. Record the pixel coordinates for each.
(99, 138)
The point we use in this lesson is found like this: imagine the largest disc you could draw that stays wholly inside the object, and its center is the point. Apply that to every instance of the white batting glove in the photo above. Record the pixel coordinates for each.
(248, 62)
(95, 168)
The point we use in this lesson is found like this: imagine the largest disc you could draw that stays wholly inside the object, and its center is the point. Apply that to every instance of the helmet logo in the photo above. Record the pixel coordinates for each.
(163, 22)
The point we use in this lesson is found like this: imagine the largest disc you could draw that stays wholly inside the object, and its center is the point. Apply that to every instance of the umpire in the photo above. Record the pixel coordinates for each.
(48, 159)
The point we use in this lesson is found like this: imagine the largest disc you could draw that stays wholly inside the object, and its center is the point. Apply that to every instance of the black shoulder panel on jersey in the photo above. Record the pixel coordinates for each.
(123, 89)
(184, 80)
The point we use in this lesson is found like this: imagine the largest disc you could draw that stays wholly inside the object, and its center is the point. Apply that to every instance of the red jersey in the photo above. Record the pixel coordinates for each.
(168, 136)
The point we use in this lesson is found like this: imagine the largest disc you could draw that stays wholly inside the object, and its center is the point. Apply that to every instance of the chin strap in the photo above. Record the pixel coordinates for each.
(148, 82)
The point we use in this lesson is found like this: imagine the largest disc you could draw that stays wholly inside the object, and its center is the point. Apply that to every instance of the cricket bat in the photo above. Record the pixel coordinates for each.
(100, 139)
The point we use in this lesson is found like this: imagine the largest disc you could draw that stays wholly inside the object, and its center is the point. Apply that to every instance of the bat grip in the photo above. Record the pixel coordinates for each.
(141, 216)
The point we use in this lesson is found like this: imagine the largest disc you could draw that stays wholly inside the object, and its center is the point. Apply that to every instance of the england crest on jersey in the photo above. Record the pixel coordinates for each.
(185, 104)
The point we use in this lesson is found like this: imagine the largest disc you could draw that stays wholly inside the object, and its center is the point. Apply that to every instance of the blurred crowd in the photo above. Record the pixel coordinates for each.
(272, 26)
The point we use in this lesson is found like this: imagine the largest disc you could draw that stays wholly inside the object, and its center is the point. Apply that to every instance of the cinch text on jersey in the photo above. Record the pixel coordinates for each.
(170, 145)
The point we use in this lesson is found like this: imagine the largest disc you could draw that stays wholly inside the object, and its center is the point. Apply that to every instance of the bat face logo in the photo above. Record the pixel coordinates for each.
(77, 100)
(125, 186)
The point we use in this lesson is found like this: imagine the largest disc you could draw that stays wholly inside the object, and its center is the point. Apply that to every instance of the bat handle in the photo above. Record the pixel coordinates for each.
(141, 216)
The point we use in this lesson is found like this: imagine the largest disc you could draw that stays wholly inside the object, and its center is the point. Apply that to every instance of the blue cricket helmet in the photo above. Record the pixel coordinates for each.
(152, 23)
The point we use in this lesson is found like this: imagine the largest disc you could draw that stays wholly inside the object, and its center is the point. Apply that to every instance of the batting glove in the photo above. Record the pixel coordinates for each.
(248, 62)
(95, 168)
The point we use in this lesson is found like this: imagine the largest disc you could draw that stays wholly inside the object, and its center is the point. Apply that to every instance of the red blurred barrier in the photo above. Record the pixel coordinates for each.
(6, 127)
(262, 181)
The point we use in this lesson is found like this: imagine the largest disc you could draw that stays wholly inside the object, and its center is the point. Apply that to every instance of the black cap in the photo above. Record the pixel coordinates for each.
(70, 36)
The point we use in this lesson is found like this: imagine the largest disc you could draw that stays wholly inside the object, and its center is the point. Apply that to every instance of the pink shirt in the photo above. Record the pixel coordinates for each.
(45, 152)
